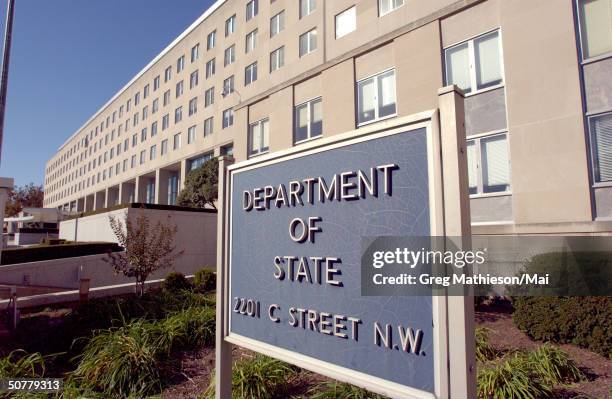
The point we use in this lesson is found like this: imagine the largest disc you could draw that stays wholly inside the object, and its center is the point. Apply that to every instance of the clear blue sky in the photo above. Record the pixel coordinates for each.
(68, 58)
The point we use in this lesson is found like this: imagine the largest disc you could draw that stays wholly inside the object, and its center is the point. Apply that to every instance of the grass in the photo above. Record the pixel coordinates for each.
(125, 361)
(259, 377)
(339, 390)
(484, 350)
(20, 364)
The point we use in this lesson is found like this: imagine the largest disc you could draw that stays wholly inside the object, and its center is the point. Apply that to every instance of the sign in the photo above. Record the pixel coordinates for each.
(296, 226)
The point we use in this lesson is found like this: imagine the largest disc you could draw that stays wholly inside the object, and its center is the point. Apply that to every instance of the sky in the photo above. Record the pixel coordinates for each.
(68, 58)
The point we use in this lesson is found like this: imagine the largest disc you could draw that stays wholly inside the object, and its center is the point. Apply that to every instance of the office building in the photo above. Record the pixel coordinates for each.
(258, 76)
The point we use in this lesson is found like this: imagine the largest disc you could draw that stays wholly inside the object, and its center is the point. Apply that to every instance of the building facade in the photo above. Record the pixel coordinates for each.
(258, 76)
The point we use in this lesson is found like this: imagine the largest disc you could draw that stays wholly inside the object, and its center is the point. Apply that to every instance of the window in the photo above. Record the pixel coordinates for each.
(143, 156)
(193, 79)
(228, 85)
(155, 106)
(229, 56)
(152, 152)
(210, 68)
(134, 140)
(193, 106)
(308, 120)
(308, 42)
(277, 59)
(145, 93)
(150, 191)
(208, 127)
(177, 141)
(195, 52)
(227, 150)
(250, 74)
(165, 122)
(136, 100)
(211, 39)
(277, 23)
(209, 97)
(228, 118)
(488, 164)
(145, 113)
(180, 64)
(128, 106)
(143, 134)
(376, 97)
(306, 7)
(252, 8)
(155, 86)
(125, 165)
(135, 119)
(346, 22)
(126, 145)
(601, 142)
(595, 27)
(173, 188)
(258, 137)
(476, 64)
(230, 25)
(164, 147)
(251, 41)
(191, 134)
(386, 6)
(178, 115)
(179, 89)
(166, 97)
(168, 74)
(153, 129)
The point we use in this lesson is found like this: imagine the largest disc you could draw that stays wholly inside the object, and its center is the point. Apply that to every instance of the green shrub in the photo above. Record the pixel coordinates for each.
(512, 378)
(20, 364)
(175, 282)
(484, 350)
(553, 365)
(260, 377)
(338, 390)
(583, 321)
(125, 361)
(205, 280)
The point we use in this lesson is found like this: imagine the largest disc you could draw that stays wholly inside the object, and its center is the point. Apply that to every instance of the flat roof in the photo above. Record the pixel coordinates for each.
(165, 51)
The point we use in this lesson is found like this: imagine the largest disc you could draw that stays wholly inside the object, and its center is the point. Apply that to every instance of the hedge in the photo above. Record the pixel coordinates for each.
(582, 321)
(12, 256)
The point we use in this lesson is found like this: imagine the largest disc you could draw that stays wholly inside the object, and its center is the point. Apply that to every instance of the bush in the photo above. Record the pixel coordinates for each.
(175, 282)
(484, 350)
(12, 256)
(531, 374)
(205, 280)
(582, 321)
(124, 361)
(260, 377)
(511, 379)
(18, 364)
(337, 390)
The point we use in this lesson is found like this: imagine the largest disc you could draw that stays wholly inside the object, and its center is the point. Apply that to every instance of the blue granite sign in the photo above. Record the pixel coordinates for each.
(297, 225)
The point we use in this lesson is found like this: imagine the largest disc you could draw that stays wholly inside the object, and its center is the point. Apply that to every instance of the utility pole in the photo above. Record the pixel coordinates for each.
(8, 33)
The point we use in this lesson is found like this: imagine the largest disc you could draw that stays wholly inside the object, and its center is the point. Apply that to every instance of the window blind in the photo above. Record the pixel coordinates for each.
(488, 66)
(596, 27)
(458, 66)
(495, 173)
(601, 128)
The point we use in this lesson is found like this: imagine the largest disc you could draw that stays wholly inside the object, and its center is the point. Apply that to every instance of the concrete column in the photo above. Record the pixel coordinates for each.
(107, 202)
(161, 186)
(183, 174)
(120, 194)
(6, 183)
(457, 227)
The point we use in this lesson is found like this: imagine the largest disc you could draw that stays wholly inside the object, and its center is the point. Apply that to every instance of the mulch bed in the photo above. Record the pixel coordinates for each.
(505, 335)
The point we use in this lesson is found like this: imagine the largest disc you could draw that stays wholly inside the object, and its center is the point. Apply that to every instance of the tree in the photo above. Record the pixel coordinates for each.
(201, 186)
(30, 196)
(147, 248)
